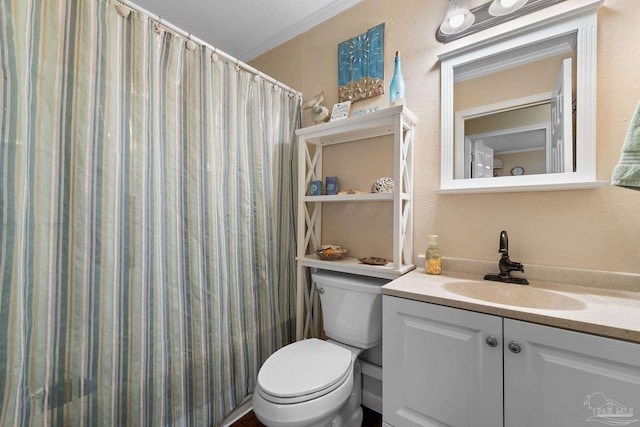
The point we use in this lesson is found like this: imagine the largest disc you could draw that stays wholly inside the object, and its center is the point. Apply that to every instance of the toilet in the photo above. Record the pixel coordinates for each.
(316, 383)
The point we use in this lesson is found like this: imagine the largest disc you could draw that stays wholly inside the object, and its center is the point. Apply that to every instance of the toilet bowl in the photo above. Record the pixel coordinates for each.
(305, 384)
(316, 383)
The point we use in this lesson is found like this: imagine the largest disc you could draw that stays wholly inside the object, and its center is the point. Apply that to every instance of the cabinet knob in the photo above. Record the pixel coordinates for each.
(491, 341)
(514, 347)
(321, 290)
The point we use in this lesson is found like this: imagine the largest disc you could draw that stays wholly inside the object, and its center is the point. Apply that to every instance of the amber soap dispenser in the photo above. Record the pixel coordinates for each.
(432, 258)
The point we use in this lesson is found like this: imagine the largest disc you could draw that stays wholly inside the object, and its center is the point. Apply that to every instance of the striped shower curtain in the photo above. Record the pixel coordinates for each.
(146, 221)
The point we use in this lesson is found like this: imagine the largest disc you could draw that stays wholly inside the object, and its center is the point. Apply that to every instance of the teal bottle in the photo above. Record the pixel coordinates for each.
(397, 94)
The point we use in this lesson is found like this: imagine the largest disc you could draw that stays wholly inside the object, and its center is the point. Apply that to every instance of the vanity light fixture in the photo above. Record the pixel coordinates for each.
(505, 7)
(457, 22)
(458, 17)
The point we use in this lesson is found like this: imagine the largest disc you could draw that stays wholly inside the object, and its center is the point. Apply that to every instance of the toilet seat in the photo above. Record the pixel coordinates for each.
(315, 412)
(304, 370)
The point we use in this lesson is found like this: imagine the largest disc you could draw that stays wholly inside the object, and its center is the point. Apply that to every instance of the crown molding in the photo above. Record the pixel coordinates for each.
(324, 14)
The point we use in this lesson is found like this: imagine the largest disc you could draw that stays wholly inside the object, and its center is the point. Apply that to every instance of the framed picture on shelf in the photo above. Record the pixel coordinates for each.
(340, 110)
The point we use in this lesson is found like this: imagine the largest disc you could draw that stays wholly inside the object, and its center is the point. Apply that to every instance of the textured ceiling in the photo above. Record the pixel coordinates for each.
(245, 28)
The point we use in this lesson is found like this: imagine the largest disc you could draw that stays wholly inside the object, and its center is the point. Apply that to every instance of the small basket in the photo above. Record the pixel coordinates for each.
(330, 252)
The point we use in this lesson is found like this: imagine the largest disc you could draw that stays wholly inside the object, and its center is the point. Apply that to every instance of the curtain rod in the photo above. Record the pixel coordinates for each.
(214, 49)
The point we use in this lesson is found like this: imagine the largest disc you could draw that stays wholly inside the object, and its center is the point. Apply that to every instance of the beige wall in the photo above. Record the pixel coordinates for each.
(513, 83)
(533, 162)
(591, 229)
(508, 119)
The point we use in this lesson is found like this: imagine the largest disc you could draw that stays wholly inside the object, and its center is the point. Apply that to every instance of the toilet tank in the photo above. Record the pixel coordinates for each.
(351, 307)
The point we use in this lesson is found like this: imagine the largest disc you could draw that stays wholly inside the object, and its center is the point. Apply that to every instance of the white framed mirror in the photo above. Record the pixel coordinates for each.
(518, 104)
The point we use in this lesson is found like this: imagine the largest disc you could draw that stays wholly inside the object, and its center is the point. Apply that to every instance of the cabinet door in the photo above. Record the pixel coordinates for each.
(564, 378)
(438, 369)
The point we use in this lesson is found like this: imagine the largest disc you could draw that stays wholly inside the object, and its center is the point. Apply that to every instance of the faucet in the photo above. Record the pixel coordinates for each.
(505, 265)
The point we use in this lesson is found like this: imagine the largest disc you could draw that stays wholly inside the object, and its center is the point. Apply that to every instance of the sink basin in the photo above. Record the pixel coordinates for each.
(515, 295)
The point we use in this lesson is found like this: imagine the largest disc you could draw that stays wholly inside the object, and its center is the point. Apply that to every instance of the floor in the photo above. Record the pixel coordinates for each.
(370, 419)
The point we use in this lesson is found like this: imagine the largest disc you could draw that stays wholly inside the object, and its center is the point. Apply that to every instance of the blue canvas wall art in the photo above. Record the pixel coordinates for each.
(361, 66)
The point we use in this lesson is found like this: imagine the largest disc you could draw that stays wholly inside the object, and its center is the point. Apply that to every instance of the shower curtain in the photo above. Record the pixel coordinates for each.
(146, 221)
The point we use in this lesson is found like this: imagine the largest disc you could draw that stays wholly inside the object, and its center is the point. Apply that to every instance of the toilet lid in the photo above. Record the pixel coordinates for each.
(304, 367)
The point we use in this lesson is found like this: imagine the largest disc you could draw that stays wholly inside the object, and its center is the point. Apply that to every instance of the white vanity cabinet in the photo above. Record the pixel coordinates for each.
(438, 370)
(566, 378)
(447, 366)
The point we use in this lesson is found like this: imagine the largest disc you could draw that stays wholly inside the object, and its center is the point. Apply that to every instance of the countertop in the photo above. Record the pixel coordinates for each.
(612, 312)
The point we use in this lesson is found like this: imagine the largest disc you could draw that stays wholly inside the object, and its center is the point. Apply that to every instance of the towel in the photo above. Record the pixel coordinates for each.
(627, 172)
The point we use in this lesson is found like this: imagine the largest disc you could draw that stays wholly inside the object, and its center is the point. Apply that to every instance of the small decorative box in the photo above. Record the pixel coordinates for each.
(332, 185)
(316, 188)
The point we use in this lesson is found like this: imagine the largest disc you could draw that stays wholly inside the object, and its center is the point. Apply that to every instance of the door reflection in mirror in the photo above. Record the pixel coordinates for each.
(512, 145)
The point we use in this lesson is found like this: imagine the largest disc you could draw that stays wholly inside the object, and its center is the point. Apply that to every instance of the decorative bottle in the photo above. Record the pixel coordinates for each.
(397, 94)
(432, 259)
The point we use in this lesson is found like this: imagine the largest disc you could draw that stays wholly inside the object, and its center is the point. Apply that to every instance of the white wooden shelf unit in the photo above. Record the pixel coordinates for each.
(397, 122)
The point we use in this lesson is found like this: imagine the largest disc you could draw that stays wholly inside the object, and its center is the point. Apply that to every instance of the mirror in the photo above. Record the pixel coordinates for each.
(528, 123)
(518, 108)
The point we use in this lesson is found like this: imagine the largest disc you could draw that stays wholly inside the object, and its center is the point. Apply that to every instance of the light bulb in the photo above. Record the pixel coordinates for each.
(458, 17)
(505, 7)
(456, 21)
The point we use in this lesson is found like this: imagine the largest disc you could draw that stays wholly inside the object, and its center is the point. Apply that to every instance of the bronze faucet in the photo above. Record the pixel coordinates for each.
(506, 265)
